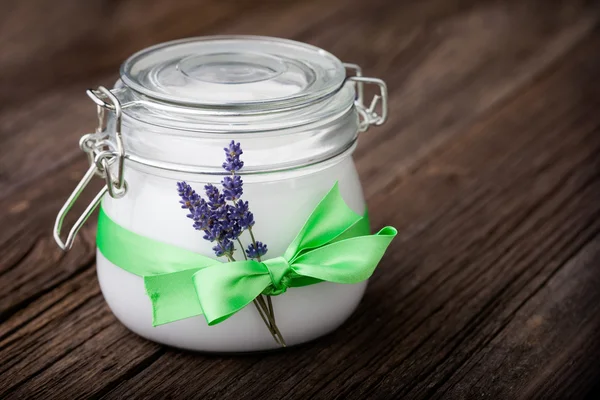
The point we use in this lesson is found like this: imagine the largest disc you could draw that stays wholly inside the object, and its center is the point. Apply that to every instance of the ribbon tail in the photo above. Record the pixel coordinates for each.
(173, 296)
(226, 288)
(167, 270)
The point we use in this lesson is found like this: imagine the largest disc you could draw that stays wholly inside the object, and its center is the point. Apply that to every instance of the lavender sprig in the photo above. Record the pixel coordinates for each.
(232, 157)
(189, 197)
(233, 187)
(256, 250)
(223, 217)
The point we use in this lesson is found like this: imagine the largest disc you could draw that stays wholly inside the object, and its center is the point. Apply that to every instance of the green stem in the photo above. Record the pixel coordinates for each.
(270, 305)
(261, 300)
(261, 313)
(274, 327)
(272, 311)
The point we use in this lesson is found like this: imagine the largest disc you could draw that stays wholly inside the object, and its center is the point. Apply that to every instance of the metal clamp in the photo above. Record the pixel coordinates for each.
(360, 92)
(68, 243)
(369, 116)
(103, 151)
(102, 154)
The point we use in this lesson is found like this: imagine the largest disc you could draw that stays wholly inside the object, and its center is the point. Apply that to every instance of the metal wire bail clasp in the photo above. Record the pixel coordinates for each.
(369, 116)
(102, 154)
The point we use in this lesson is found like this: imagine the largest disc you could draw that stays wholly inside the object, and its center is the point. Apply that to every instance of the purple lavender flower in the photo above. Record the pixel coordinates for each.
(234, 150)
(232, 187)
(201, 215)
(233, 165)
(232, 157)
(256, 250)
(223, 216)
(241, 213)
(240, 209)
(247, 221)
(215, 199)
(224, 247)
(217, 231)
(189, 197)
(230, 228)
(208, 235)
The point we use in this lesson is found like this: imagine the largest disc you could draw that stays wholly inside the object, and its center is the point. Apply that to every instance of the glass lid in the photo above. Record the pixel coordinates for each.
(234, 72)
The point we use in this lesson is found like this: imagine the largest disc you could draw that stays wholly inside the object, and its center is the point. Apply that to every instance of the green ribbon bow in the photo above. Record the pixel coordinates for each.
(333, 245)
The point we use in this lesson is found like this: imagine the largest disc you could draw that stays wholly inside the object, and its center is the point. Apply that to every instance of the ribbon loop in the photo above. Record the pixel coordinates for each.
(279, 270)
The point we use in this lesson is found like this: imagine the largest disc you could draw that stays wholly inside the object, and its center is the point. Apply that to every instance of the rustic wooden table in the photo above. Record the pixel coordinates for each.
(488, 166)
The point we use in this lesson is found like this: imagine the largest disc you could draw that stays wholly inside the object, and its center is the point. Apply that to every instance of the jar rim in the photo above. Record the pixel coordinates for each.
(234, 72)
(191, 121)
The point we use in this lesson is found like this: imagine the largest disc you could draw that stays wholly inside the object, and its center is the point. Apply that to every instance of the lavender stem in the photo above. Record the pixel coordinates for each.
(261, 313)
(270, 304)
(274, 325)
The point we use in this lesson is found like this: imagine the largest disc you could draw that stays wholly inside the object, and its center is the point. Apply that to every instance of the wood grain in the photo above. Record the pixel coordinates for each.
(488, 166)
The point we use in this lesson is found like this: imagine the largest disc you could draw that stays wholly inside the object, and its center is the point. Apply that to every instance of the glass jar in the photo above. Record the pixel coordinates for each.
(176, 106)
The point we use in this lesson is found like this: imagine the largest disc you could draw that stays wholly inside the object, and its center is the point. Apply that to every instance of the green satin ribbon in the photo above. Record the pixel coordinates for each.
(334, 245)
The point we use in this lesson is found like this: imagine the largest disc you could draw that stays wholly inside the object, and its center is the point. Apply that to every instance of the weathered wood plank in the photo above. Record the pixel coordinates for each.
(47, 47)
(74, 321)
(31, 262)
(545, 326)
(493, 222)
(485, 59)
